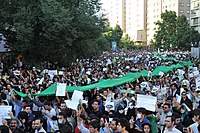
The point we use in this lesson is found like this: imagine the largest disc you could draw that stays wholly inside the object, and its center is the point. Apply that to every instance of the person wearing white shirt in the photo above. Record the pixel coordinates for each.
(165, 112)
(52, 125)
(38, 126)
(194, 127)
(170, 127)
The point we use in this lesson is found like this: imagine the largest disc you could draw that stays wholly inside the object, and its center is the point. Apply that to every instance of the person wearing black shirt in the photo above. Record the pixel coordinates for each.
(64, 126)
(95, 109)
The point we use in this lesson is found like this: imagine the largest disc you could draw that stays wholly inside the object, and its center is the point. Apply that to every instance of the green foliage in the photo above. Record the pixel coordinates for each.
(126, 42)
(166, 32)
(113, 34)
(54, 30)
(173, 31)
(117, 33)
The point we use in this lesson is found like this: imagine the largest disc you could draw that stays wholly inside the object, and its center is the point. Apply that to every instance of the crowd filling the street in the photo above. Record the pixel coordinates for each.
(128, 91)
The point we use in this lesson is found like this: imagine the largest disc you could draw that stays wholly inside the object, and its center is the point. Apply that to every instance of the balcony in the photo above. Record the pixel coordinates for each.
(195, 13)
(195, 22)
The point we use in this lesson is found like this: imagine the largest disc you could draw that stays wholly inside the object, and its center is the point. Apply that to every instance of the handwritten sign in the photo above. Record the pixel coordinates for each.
(4, 111)
(52, 73)
(147, 102)
(61, 88)
(73, 104)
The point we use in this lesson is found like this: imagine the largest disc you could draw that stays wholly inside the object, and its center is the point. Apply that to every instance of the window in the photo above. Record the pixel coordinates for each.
(181, 11)
(193, 13)
(188, 5)
(188, 12)
(181, 4)
(195, 21)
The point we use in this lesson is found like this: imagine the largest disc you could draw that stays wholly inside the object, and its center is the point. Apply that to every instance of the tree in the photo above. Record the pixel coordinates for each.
(53, 30)
(113, 34)
(126, 42)
(166, 31)
(117, 33)
(185, 34)
(174, 31)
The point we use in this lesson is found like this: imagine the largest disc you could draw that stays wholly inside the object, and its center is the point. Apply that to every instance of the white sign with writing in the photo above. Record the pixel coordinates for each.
(61, 89)
(4, 111)
(147, 102)
(60, 72)
(52, 73)
(109, 106)
(41, 81)
(73, 104)
(16, 72)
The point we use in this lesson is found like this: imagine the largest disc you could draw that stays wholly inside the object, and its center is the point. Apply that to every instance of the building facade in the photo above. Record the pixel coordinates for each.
(156, 7)
(136, 20)
(195, 14)
(154, 10)
(117, 13)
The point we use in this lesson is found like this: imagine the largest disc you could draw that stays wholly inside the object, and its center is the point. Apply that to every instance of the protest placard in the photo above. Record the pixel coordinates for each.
(196, 73)
(73, 104)
(60, 72)
(41, 81)
(4, 111)
(145, 85)
(147, 102)
(77, 95)
(16, 72)
(52, 73)
(61, 89)
(155, 89)
(109, 106)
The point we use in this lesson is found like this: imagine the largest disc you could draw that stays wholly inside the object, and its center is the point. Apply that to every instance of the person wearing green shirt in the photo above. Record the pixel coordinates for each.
(153, 119)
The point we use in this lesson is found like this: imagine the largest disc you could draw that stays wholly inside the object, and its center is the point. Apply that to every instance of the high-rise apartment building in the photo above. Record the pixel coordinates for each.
(181, 7)
(156, 7)
(195, 14)
(117, 13)
(136, 20)
(154, 10)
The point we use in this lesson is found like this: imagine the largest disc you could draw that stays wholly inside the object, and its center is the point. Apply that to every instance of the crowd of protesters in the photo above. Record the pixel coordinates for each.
(41, 114)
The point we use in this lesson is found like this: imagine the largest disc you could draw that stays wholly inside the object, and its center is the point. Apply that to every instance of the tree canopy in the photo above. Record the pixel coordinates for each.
(173, 31)
(113, 34)
(53, 30)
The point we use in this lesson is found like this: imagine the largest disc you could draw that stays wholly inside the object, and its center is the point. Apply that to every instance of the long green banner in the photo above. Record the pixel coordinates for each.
(129, 77)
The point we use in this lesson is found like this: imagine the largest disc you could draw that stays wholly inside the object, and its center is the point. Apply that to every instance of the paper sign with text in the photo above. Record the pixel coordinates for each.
(147, 102)
(60, 90)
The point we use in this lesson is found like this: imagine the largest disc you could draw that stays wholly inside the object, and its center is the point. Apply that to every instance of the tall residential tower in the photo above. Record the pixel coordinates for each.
(156, 7)
(195, 14)
(136, 20)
